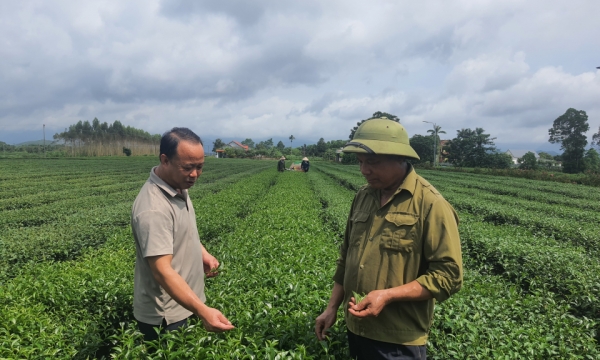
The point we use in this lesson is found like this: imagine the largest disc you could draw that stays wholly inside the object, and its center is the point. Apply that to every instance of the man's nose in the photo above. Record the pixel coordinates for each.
(364, 169)
(195, 173)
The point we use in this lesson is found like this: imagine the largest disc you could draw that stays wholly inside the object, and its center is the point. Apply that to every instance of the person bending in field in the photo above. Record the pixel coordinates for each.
(401, 249)
(305, 164)
(281, 164)
(170, 260)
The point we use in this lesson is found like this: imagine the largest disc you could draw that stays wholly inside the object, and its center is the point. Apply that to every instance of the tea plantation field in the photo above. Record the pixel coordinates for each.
(531, 252)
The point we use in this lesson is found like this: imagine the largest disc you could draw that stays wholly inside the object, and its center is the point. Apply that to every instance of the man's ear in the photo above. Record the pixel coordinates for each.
(164, 160)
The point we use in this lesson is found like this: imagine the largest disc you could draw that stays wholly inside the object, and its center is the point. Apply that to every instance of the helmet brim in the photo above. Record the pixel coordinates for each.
(379, 147)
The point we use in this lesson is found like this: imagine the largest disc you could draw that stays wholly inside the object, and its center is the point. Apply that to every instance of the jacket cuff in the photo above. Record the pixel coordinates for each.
(440, 286)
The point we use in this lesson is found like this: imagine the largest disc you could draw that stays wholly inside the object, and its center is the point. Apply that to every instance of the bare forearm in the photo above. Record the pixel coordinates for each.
(180, 291)
(337, 297)
(204, 251)
(413, 291)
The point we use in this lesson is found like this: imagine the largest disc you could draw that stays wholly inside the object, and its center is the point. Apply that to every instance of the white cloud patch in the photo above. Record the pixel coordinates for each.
(269, 68)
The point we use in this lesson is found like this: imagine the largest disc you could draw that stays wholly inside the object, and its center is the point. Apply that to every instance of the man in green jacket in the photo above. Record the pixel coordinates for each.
(401, 249)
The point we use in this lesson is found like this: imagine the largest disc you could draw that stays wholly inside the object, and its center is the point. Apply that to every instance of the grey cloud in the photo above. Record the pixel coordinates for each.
(439, 46)
(245, 13)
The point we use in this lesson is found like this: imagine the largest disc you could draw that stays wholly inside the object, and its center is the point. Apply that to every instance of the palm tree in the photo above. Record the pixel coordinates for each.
(292, 138)
(436, 140)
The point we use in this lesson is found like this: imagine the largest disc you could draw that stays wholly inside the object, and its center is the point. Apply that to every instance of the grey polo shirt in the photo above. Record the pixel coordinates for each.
(164, 223)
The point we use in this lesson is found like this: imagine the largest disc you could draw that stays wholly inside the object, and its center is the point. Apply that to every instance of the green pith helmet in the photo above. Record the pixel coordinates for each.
(381, 136)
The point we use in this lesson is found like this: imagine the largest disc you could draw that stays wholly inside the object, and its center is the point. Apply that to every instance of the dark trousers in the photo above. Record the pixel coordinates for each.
(149, 330)
(362, 348)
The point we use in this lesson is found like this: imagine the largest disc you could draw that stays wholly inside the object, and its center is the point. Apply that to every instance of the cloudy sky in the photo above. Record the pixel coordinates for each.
(259, 69)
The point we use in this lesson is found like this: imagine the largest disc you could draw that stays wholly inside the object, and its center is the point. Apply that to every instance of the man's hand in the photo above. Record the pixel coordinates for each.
(371, 305)
(210, 264)
(215, 321)
(324, 322)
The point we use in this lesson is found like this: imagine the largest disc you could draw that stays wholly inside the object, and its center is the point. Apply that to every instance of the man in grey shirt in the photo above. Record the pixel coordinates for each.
(170, 260)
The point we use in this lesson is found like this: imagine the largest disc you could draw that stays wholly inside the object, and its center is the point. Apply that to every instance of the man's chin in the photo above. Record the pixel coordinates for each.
(374, 184)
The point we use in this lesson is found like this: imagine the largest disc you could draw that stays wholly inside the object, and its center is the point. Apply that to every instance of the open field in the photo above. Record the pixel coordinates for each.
(531, 250)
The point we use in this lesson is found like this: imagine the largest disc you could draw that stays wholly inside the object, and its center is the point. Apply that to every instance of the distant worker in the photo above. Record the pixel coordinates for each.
(401, 249)
(281, 164)
(170, 260)
(305, 164)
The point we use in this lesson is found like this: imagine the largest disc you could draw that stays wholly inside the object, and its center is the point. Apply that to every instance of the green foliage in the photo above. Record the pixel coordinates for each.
(329, 154)
(530, 249)
(248, 142)
(321, 147)
(126, 151)
(86, 138)
(436, 142)
(497, 161)
(280, 145)
(423, 146)
(358, 297)
(592, 161)
(46, 220)
(528, 161)
(265, 145)
(470, 148)
(569, 130)
(218, 144)
(376, 114)
(596, 138)
(545, 156)
(350, 159)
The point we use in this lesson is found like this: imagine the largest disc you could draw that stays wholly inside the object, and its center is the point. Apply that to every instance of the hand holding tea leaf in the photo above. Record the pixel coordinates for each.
(210, 265)
(358, 297)
(368, 305)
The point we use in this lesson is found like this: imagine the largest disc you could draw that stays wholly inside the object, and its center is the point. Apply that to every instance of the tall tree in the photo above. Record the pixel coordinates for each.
(321, 147)
(248, 142)
(544, 155)
(292, 138)
(470, 148)
(591, 160)
(422, 146)
(280, 145)
(596, 138)
(528, 161)
(376, 115)
(218, 144)
(569, 130)
(95, 139)
(436, 141)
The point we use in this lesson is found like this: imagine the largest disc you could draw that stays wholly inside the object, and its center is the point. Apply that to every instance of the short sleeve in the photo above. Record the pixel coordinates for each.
(154, 230)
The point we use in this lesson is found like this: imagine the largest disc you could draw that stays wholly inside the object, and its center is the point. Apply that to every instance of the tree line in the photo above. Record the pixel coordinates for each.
(103, 139)
(322, 149)
(476, 148)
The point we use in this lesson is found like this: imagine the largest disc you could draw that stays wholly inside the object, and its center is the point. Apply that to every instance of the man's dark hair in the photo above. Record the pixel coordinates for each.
(170, 140)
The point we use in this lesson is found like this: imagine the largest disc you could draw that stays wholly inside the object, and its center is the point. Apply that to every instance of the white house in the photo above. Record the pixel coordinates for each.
(517, 154)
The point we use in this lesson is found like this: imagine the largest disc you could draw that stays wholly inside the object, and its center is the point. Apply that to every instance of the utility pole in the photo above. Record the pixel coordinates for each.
(44, 129)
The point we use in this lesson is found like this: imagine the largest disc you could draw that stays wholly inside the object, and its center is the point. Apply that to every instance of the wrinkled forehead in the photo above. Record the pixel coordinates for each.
(189, 152)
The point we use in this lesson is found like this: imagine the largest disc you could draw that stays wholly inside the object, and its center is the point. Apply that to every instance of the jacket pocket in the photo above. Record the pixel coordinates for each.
(399, 232)
(360, 224)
